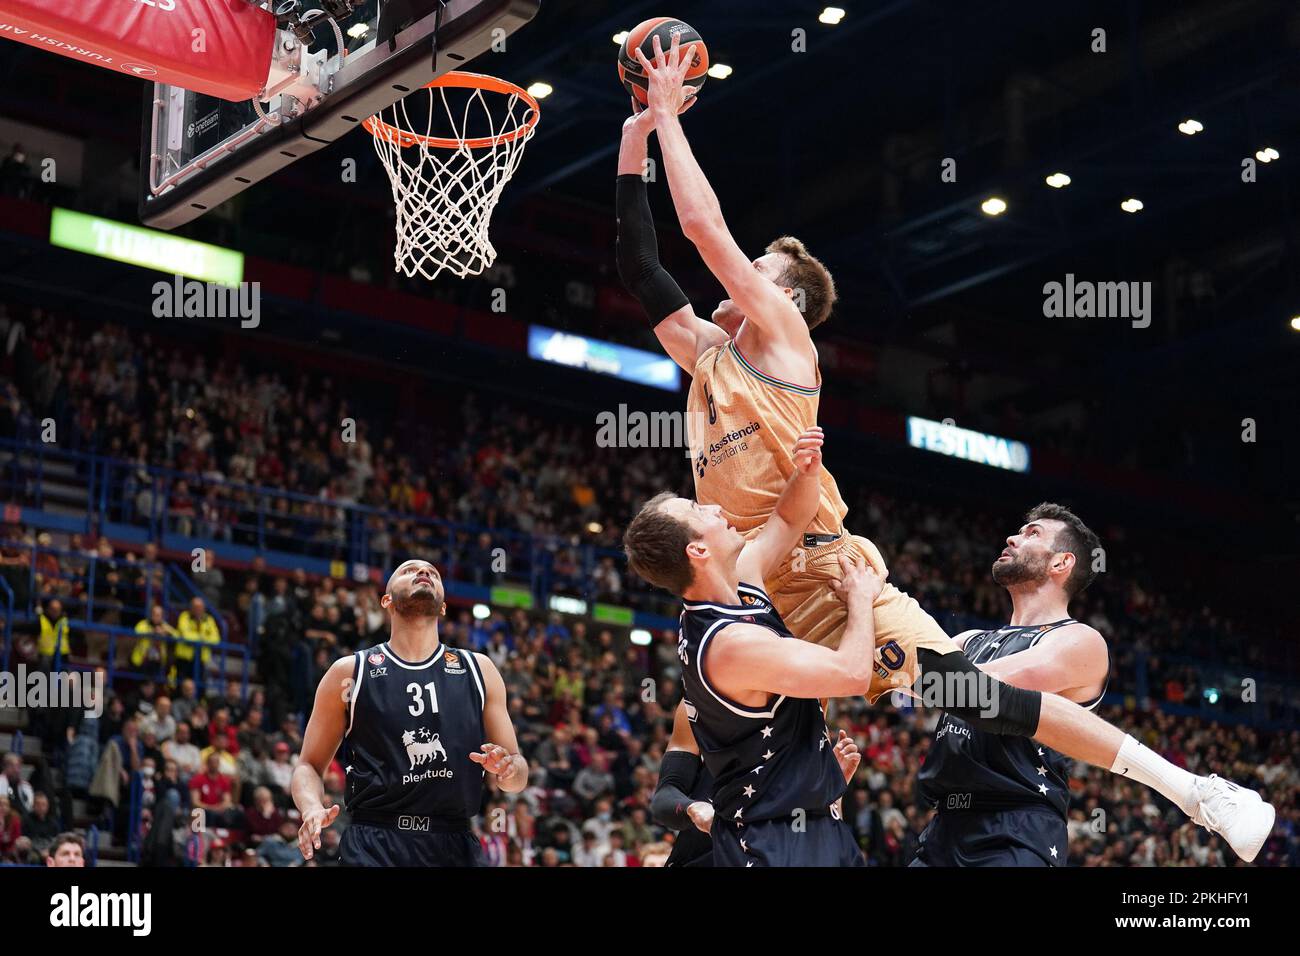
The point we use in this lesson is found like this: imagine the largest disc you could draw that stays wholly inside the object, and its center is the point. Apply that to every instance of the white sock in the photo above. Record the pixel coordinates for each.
(1141, 763)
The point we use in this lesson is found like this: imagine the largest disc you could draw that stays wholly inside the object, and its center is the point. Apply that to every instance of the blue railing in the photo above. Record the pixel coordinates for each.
(7, 594)
(87, 610)
(133, 818)
(177, 509)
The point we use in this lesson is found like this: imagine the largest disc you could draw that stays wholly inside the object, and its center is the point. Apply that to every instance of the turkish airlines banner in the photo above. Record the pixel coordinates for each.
(219, 47)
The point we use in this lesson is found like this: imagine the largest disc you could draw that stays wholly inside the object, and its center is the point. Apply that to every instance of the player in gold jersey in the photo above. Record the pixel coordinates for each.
(755, 389)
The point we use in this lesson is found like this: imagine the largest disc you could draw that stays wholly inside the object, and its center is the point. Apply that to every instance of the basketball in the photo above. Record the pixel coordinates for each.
(642, 35)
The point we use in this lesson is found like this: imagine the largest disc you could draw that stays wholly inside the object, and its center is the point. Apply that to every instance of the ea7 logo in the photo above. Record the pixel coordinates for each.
(413, 823)
(77, 909)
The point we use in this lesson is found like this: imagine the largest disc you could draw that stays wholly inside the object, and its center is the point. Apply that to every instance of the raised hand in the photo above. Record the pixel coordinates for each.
(808, 451)
(665, 91)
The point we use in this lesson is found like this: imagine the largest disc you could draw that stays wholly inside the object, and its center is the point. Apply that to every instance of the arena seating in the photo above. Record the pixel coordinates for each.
(247, 466)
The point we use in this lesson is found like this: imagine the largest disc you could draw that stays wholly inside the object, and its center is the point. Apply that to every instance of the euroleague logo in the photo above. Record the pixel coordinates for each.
(451, 662)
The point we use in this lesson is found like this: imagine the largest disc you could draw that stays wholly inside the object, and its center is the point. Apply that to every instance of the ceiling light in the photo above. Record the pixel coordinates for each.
(620, 36)
(1058, 180)
(831, 16)
(540, 90)
(720, 71)
(1190, 127)
(1131, 205)
(994, 206)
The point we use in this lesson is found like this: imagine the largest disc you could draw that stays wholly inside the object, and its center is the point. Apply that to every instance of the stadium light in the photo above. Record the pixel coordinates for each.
(1295, 323)
(620, 36)
(831, 16)
(640, 637)
(720, 71)
(1190, 127)
(482, 612)
(1058, 180)
(358, 30)
(1131, 205)
(541, 90)
(994, 206)
(1267, 154)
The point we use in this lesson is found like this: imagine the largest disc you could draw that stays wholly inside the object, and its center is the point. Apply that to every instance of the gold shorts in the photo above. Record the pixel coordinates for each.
(813, 612)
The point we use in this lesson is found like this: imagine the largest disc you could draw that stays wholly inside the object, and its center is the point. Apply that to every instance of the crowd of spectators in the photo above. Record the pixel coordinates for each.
(591, 708)
(593, 714)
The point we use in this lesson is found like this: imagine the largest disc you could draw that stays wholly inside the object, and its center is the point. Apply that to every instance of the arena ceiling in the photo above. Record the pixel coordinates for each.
(842, 143)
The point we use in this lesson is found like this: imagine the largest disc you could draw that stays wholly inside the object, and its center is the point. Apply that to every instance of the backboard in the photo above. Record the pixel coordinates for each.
(197, 151)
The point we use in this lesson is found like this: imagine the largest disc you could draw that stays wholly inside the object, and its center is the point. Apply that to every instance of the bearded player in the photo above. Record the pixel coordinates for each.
(755, 389)
(422, 723)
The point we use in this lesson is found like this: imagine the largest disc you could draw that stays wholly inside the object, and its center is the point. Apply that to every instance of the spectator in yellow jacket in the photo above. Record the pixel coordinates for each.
(149, 651)
(54, 634)
(196, 627)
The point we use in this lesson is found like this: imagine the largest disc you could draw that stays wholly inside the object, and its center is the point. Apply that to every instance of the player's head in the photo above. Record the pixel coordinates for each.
(414, 591)
(68, 849)
(804, 279)
(672, 538)
(1053, 546)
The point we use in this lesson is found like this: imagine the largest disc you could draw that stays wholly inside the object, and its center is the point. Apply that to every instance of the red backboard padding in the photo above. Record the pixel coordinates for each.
(154, 39)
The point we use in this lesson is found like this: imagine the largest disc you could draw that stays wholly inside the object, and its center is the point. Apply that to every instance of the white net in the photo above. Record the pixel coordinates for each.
(447, 183)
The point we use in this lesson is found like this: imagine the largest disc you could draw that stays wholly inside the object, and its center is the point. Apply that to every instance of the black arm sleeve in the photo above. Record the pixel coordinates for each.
(1015, 711)
(678, 773)
(638, 252)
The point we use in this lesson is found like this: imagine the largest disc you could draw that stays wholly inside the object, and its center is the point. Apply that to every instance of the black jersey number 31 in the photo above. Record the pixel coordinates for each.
(417, 698)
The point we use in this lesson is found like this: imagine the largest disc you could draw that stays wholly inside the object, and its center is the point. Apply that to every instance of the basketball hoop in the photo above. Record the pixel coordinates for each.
(446, 187)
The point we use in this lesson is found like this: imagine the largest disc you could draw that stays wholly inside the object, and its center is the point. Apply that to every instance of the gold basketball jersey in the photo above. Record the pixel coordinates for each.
(743, 425)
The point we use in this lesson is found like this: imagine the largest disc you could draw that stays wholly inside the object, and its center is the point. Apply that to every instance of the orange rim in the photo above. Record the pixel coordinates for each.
(474, 81)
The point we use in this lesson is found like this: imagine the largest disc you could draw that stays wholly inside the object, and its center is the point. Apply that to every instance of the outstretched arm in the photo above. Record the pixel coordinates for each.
(698, 211)
(746, 658)
(682, 333)
(794, 511)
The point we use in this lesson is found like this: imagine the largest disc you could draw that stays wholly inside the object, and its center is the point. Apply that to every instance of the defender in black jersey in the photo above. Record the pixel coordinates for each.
(1002, 799)
(413, 716)
(751, 690)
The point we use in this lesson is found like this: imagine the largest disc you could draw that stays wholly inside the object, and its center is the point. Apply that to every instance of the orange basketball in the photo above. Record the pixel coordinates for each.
(642, 35)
